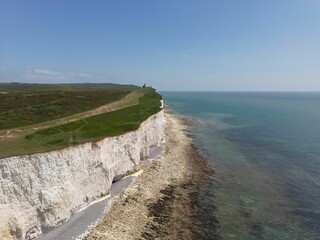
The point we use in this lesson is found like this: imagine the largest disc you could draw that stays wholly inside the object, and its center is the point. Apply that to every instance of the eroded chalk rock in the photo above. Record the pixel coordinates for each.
(40, 191)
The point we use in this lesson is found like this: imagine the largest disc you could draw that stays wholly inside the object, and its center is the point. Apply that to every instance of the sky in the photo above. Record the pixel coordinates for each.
(178, 45)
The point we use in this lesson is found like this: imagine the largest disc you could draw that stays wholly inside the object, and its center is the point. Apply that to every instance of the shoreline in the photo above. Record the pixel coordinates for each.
(163, 201)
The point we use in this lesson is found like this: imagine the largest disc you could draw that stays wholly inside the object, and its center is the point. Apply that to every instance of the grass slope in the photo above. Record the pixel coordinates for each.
(91, 128)
(18, 110)
(76, 87)
(99, 126)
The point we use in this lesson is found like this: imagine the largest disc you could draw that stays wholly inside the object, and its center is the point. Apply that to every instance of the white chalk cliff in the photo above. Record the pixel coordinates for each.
(40, 190)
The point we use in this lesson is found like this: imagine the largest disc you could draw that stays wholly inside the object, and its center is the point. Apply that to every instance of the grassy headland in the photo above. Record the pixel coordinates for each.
(26, 104)
(15, 87)
(96, 127)
(111, 119)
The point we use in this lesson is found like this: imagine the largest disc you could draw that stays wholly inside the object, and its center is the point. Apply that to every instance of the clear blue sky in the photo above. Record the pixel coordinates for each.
(235, 45)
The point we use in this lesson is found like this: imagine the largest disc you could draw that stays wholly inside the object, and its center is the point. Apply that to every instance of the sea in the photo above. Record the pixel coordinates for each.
(264, 149)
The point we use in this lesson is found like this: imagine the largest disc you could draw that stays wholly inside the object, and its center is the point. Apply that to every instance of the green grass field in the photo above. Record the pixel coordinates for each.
(76, 87)
(26, 104)
(18, 110)
(141, 104)
(96, 127)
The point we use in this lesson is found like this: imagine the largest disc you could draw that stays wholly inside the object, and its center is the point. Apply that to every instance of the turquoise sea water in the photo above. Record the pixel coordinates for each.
(265, 151)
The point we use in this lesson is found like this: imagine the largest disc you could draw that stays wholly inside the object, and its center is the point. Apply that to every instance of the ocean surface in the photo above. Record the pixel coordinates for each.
(265, 151)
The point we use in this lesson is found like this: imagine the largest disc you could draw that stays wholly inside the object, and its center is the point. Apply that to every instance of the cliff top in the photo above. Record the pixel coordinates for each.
(122, 110)
(23, 104)
(16, 87)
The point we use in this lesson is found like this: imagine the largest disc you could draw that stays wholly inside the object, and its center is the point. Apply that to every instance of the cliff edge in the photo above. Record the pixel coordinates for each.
(40, 191)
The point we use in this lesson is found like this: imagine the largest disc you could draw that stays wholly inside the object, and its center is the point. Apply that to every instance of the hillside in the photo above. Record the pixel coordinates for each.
(41, 118)
(26, 104)
(75, 87)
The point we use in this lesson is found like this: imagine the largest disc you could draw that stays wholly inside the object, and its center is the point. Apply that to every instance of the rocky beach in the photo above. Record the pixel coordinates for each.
(162, 203)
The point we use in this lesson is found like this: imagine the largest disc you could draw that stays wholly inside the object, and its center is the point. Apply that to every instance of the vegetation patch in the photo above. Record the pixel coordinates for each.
(97, 127)
(16, 87)
(21, 109)
(133, 171)
(115, 118)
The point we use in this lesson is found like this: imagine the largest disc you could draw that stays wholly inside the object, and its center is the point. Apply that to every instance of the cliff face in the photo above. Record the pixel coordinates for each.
(41, 190)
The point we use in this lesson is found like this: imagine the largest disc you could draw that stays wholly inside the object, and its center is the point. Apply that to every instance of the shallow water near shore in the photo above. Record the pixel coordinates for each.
(264, 149)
